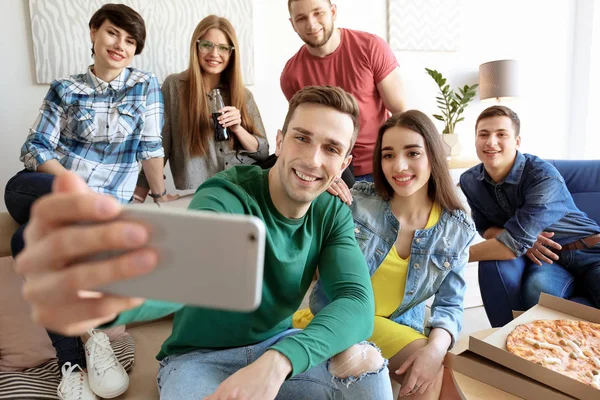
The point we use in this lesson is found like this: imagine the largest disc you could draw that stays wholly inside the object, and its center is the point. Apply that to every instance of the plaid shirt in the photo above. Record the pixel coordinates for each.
(100, 130)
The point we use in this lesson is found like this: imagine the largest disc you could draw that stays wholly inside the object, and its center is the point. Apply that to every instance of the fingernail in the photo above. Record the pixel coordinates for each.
(105, 206)
(134, 236)
(143, 261)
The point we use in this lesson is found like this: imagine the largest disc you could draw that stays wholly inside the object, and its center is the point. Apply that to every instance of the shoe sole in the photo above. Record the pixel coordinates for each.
(115, 393)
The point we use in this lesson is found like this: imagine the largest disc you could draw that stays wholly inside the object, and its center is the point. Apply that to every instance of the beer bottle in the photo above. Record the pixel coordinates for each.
(221, 133)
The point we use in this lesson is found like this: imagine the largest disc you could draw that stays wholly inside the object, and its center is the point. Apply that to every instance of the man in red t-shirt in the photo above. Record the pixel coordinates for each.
(359, 62)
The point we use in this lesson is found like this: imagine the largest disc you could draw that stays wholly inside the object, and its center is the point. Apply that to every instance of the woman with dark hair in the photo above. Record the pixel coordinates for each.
(415, 236)
(189, 131)
(99, 125)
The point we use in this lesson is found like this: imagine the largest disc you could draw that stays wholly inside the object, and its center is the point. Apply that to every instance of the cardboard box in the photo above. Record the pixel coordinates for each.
(461, 360)
(493, 347)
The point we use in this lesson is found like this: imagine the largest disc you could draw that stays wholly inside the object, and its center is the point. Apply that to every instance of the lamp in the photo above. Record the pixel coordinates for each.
(499, 80)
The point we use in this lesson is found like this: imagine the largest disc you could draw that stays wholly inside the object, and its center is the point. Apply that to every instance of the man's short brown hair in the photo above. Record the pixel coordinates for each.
(330, 96)
(500, 111)
(291, 1)
(123, 17)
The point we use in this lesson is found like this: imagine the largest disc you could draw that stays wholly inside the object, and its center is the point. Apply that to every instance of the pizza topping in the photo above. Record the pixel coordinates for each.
(596, 361)
(595, 372)
(559, 334)
(596, 381)
(552, 360)
(542, 345)
(575, 348)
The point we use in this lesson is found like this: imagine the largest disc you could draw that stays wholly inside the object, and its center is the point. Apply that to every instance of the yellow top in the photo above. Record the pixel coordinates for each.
(389, 281)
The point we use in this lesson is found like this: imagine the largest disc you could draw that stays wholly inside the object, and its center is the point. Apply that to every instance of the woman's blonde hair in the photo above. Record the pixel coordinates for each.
(196, 118)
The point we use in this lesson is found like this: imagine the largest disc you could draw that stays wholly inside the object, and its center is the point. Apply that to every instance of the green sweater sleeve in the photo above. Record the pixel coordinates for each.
(349, 318)
(151, 309)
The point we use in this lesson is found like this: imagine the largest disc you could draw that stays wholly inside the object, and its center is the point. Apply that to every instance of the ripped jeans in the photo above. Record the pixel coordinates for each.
(197, 374)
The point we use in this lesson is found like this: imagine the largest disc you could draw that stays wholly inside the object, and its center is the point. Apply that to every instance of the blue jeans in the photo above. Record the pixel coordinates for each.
(366, 178)
(197, 374)
(517, 284)
(22, 190)
(19, 195)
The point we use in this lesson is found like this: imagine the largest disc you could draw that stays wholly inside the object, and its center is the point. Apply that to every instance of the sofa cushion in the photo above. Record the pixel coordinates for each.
(23, 344)
(31, 383)
(40, 382)
(7, 227)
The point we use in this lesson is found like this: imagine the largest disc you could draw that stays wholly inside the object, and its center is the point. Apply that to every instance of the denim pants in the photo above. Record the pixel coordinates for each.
(21, 191)
(575, 269)
(516, 285)
(197, 374)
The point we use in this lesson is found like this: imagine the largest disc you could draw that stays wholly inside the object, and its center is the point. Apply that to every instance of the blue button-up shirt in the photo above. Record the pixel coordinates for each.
(100, 130)
(532, 198)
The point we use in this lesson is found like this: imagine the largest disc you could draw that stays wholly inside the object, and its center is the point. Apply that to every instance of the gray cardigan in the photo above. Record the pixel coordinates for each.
(189, 172)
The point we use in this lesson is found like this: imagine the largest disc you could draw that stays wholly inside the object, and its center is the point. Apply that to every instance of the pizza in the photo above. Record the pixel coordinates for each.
(569, 347)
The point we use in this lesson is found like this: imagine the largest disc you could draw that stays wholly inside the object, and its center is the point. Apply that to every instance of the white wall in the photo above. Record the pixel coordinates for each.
(20, 96)
(537, 32)
(592, 139)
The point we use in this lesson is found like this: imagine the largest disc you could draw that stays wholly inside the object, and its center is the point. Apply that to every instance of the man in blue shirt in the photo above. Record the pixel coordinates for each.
(518, 201)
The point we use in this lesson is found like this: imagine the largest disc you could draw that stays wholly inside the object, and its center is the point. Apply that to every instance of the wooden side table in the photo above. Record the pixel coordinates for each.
(462, 162)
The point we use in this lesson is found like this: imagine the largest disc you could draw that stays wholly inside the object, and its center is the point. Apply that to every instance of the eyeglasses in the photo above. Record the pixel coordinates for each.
(206, 47)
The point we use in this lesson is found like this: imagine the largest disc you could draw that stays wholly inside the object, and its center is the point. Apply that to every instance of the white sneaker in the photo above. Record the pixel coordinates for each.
(106, 375)
(74, 384)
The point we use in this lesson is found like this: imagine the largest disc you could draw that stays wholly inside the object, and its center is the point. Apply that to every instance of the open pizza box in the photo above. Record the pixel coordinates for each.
(461, 360)
(493, 347)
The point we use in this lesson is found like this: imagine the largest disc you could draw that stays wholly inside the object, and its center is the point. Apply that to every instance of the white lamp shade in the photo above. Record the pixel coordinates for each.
(499, 80)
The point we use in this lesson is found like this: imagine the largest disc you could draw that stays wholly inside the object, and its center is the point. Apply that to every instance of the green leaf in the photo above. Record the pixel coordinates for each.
(451, 104)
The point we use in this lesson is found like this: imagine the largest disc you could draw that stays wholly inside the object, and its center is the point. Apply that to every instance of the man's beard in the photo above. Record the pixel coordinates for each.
(326, 37)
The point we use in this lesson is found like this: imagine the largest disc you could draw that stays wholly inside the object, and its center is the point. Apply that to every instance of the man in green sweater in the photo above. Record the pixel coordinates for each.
(214, 354)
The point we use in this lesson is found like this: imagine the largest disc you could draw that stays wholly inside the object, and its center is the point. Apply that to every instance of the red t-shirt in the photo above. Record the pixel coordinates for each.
(360, 62)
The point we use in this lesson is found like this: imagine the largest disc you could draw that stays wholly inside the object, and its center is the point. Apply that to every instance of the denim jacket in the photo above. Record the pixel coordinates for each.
(438, 258)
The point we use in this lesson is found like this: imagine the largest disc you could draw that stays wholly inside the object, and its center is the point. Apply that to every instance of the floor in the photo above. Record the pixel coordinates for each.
(474, 318)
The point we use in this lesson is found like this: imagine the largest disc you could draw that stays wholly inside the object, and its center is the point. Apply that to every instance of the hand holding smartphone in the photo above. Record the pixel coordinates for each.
(206, 259)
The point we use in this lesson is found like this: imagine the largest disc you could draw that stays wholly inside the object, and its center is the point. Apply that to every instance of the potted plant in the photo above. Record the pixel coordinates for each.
(452, 105)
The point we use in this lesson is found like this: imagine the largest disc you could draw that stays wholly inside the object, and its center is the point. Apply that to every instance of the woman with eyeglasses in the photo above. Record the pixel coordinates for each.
(188, 133)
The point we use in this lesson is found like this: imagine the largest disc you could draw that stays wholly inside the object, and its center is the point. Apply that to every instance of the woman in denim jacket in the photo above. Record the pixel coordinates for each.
(415, 236)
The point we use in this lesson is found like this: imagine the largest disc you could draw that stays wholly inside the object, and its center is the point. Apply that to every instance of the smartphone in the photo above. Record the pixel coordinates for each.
(206, 259)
